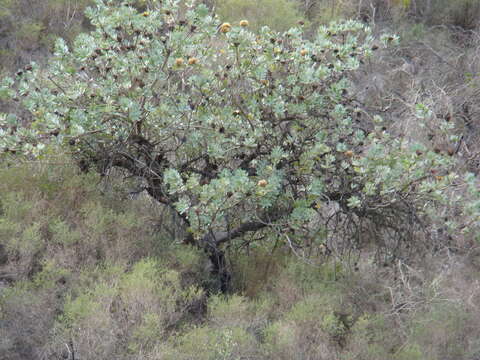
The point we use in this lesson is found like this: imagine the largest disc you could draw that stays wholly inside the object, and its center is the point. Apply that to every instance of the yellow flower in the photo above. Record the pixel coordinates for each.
(244, 23)
(225, 27)
(192, 61)
(179, 61)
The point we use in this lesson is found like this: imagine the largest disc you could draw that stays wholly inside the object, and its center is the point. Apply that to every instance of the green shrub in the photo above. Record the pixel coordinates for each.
(228, 311)
(371, 338)
(410, 352)
(63, 233)
(74, 254)
(122, 313)
(206, 343)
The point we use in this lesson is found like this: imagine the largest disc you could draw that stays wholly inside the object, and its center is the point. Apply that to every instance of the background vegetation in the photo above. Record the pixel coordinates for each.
(86, 272)
(91, 269)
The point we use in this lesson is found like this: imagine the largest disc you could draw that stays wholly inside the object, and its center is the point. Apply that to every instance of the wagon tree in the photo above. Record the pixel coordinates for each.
(240, 133)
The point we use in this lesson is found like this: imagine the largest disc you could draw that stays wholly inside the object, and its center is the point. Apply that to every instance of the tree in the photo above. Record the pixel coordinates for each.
(237, 132)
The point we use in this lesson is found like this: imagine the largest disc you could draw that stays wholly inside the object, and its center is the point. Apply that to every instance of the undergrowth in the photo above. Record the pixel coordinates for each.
(88, 277)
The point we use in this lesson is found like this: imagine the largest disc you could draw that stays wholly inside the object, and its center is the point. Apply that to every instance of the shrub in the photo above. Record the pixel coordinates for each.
(73, 260)
(371, 338)
(119, 313)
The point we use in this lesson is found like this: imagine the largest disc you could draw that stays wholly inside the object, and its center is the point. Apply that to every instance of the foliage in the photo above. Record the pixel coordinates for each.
(73, 257)
(85, 273)
(112, 297)
(237, 132)
(142, 306)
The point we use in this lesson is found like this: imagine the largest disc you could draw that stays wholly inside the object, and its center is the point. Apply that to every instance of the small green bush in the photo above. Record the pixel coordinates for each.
(370, 338)
(141, 306)
(207, 343)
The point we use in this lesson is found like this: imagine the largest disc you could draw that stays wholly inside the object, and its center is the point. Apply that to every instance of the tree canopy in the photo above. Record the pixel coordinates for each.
(236, 131)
